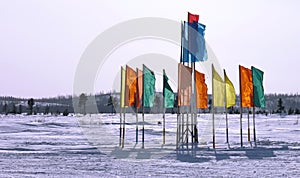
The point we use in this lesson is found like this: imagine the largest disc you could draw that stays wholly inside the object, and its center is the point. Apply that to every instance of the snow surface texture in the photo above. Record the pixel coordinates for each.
(49, 146)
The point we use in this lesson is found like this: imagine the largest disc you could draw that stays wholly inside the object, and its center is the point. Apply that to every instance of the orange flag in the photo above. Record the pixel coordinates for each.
(246, 87)
(201, 90)
(139, 87)
(130, 88)
(184, 85)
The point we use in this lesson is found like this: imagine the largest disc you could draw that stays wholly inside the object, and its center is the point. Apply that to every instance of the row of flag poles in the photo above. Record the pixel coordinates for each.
(138, 89)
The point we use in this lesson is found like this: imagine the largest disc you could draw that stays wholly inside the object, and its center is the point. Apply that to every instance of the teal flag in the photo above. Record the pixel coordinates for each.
(258, 89)
(149, 87)
(167, 93)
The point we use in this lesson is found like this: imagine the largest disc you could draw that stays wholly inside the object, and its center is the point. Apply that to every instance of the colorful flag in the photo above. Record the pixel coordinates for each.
(139, 88)
(246, 87)
(168, 93)
(193, 17)
(184, 85)
(201, 90)
(218, 89)
(149, 87)
(130, 88)
(230, 92)
(196, 42)
(184, 43)
(258, 89)
(123, 78)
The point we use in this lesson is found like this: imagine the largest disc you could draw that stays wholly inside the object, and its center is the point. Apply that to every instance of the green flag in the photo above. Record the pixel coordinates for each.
(149, 87)
(258, 89)
(167, 93)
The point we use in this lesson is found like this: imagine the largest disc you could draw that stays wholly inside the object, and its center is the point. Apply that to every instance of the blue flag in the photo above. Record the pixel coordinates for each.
(184, 43)
(196, 40)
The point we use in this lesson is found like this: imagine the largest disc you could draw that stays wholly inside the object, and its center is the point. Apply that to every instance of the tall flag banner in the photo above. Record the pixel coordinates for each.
(258, 89)
(218, 89)
(139, 88)
(196, 42)
(184, 85)
(193, 17)
(201, 90)
(168, 93)
(246, 87)
(130, 88)
(149, 87)
(184, 42)
(230, 92)
(123, 78)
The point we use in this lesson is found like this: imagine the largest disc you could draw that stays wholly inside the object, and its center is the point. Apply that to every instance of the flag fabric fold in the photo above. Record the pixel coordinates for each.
(139, 88)
(201, 90)
(168, 93)
(184, 85)
(258, 89)
(196, 42)
(130, 88)
(149, 87)
(230, 92)
(246, 87)
(184, 42)
(218, 89)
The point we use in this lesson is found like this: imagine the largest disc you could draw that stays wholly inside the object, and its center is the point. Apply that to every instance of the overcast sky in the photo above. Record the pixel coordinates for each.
(41, 42)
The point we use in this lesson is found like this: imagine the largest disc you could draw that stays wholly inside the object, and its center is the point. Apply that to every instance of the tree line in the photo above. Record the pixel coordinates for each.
(109, 103)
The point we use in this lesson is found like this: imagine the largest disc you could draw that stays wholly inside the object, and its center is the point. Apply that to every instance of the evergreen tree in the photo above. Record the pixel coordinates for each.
(82, 102)
(14, 109)
(5, 109)
(30, 103)
(290, 111)
(66, 112)
(20, 109)
(280, 106)
(47, 108)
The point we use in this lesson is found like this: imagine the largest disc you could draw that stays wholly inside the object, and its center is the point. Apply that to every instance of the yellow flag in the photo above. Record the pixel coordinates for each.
(230, 92)
(122, 98)
(218, 89)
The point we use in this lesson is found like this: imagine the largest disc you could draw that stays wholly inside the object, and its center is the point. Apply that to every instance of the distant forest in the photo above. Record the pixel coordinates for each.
(109, 103)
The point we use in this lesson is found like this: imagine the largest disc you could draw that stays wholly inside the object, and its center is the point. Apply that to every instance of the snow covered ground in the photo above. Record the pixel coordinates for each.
(76, 146)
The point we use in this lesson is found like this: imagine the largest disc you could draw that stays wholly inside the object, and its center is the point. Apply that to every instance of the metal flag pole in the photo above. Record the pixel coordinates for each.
(254, 133)
(136, 108)
(143, 112)
(123, 138)
(213, 109)
(226, 114)
(164, 117)
(241, 109)
(248, 125)
(120, 138)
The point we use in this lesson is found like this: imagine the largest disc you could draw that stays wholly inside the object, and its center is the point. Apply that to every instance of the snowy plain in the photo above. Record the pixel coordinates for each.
(88, 146)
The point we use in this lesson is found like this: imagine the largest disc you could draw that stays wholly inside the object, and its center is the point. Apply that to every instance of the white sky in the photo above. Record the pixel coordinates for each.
(41, 42)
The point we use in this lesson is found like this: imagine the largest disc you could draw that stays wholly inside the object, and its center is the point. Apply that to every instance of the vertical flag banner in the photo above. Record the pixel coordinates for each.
(130, 89)
(201, 90)
(123, 78)
(218, 89)
(184, 85)
(168, 93)
(193, 17)
(139, 88)
(258, 89)
(246, 87)
(196, 42)
(184, 42)
(230, 92)
(149, 87)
